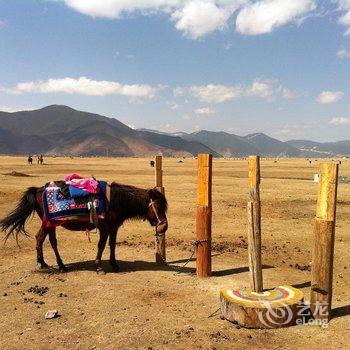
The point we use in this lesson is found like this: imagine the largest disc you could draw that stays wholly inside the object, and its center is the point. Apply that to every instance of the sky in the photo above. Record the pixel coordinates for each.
(281, 67)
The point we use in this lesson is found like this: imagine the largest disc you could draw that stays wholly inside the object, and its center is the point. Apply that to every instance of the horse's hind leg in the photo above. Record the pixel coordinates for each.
(112, 244)
(40, 238)
(101, 247)
(53, 241)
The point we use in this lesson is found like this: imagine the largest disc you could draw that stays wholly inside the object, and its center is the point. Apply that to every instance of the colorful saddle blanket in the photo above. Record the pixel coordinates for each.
(59, 207)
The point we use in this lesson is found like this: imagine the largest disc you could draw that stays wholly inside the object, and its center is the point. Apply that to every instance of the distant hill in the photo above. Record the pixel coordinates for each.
(231, 145)
(325, 149)
(272, 147)
(228, 145)
(178, 143)
(63, 130)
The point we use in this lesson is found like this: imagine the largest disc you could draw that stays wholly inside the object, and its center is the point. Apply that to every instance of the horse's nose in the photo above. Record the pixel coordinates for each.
(162, 228)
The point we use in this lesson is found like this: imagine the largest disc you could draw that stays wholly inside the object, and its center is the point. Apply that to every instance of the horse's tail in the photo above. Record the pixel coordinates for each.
(14, 222)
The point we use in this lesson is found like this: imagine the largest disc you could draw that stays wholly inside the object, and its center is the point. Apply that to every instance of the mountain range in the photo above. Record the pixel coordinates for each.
(62, 130)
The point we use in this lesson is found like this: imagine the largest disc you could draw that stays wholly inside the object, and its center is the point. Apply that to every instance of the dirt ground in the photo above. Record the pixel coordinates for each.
(150, 307)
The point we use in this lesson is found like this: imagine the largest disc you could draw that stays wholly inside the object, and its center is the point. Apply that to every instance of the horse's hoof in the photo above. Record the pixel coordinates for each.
(100, 271)
(43, 266)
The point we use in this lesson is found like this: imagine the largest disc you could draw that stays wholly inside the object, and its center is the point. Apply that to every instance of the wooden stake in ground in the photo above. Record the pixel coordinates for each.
(160, 240)
(323, 251)
(254, 225)
(204, 214)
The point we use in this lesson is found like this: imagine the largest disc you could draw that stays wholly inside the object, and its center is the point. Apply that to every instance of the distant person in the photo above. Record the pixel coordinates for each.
(41, 159)
(30, 159)
(38, 159)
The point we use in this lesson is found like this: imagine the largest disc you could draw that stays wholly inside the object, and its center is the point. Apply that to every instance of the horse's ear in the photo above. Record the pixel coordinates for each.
(152, 192)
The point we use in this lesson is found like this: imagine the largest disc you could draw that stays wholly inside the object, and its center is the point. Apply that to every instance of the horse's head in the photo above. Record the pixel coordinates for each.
(156, 214)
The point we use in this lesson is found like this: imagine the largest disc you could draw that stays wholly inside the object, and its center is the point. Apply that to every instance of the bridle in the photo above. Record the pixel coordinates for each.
(159, 221)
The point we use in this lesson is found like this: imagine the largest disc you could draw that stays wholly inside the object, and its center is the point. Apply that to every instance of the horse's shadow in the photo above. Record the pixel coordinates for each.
(141, 265)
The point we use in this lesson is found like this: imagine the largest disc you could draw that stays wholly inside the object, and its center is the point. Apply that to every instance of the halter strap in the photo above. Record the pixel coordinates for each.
(151, 204)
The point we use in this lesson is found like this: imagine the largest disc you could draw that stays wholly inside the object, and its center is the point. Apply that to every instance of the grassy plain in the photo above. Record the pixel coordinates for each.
(150, 307)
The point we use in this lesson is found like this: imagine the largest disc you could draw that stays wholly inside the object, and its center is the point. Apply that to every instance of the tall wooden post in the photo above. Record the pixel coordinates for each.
(160, 240)
(323, 250)
(254, 225)
(204, 214)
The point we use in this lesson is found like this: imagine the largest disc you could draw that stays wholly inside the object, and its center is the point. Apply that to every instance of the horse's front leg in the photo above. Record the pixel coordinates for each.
(53, 241)
(101, 247)
(112, 245)
(40, 238)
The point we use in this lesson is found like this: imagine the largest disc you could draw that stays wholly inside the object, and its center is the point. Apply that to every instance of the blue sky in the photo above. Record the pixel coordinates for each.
(276, 66)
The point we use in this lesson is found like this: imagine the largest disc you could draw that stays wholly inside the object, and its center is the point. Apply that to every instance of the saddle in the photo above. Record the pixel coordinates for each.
(65, 202)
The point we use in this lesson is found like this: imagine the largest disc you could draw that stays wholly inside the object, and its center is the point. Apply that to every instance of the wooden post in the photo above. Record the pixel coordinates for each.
(323, 250)
(204, 214)
(160, 240)
(254, 225)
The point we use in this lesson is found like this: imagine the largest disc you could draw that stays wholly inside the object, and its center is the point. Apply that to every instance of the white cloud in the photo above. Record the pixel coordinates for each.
(343, 53)
(340, 121)
(198, 18)
(185, 117)
(204, 111)
(288, 94)
(344, 6)
(215, 93)
(261, 88)
(267, 89)
(179, 91)
(84, 86)
(12, 109)
(195, 18)
(175, 105)
(330, 96)
(345, 20)
(295, 130)
(118, 8)
(264, 16)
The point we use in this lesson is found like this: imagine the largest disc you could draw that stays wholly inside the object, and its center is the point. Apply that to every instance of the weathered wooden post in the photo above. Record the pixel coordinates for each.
(204, 214)
(323, 250)
(160, 240)
(254, 225)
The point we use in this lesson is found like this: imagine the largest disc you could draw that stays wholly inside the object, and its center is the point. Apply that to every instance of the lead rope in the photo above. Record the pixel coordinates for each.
(195, 244)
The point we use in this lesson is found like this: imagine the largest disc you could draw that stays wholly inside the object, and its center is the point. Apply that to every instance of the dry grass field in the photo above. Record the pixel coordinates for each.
(150, 307)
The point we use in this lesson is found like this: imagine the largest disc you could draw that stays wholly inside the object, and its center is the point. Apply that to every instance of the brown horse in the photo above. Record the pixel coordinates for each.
(126, 202)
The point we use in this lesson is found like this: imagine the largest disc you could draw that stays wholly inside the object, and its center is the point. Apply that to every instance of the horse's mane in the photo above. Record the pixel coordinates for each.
(132, 202)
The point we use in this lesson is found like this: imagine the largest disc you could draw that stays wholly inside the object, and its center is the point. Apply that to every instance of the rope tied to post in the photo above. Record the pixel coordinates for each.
(195, 243)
